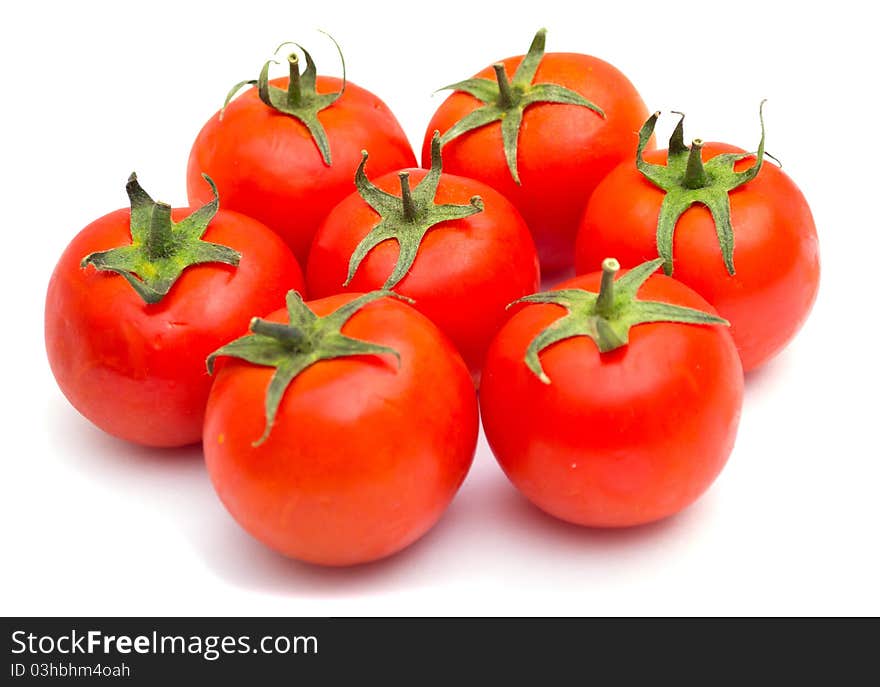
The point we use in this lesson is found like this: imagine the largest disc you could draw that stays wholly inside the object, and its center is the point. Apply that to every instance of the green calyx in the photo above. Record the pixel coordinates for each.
(405, 218)
(293, 347)
(300, 99)
(686, 179)
(506, 100)
(606, 317)
(161, 249)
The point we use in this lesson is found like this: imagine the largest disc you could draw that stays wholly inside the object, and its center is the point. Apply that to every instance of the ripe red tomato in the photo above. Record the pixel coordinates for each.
(564, 147)
(461, 263)
(268, 164)
(364, 452)
(615, 438)
(775, 251)
(136, 369)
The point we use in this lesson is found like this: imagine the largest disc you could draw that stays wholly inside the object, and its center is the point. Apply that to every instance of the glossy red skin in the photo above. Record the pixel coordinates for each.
(363, 458)
(776, 255)
(135, 370)
(564, 150)
(621, 438)
(464, 275)
(266, 164)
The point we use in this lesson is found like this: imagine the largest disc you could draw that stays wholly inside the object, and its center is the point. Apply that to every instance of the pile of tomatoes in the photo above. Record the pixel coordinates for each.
(337, 429)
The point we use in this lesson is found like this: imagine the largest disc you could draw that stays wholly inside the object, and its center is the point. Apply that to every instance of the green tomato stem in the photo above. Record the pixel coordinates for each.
(294, 347)
(159, 238)
(607, 316)
(695, 174)
(161, 249)
(405, 218)
(277, 330)
(410, 212)
(506, 98)
(686, 180)
(294, 89)
(605, 299)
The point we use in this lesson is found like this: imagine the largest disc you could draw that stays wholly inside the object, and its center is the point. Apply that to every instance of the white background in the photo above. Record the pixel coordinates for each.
(94, 526)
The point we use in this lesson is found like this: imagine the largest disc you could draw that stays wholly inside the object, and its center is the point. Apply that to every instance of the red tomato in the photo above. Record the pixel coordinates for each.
(466, 270)
(564, 150)
(776, 253)
(267, 164)
(137, 370)
(364, 455)
(618, 438)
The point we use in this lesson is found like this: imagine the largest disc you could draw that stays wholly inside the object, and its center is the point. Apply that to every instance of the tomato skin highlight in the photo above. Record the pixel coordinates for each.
(363, 457)
(776, 253)
(465, 274)
(267, 166)
(135, 370)
(564, 150)
(621, 438)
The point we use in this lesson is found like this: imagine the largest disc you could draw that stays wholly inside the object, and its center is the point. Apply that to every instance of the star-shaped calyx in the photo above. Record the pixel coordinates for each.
(293, 347)
(505, 100)
(686, 179)
(405, 218)
(300, 100)
(606, 317)
(161, 249)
